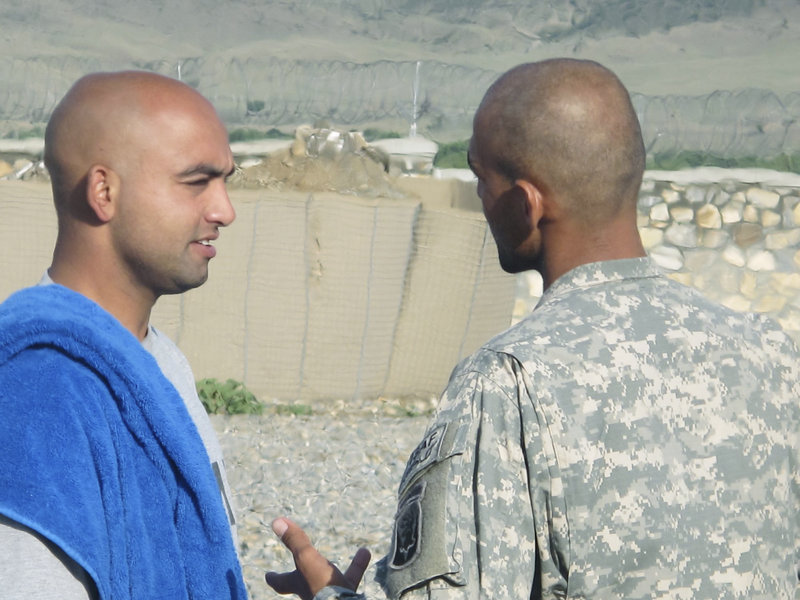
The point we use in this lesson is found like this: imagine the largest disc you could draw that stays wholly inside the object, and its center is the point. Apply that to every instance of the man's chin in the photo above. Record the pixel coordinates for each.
(184, 285)
(515, 264)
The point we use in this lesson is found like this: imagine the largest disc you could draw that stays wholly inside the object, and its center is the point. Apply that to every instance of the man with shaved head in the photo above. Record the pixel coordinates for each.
(628, 438)
(113, 484)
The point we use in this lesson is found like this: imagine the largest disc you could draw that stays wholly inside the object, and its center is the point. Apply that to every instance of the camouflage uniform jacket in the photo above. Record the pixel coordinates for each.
(628, 439)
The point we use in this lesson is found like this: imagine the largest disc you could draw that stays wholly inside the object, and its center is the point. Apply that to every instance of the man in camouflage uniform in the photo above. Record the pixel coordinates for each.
(628, 439)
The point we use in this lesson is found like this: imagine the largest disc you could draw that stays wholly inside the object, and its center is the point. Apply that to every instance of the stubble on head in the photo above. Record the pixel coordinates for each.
(568, 126)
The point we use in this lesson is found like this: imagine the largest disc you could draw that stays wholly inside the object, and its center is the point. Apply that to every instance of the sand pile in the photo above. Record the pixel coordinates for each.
(322, 159)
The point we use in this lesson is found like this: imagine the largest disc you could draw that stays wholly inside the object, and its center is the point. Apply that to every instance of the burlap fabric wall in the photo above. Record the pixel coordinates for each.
(318, 296)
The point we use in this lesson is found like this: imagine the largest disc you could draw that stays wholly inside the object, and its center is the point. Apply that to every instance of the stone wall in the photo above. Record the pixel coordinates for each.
(734, 235)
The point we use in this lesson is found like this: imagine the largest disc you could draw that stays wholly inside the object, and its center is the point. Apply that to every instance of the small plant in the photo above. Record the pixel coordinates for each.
(249, 134)
(37, 131)
(254, 106)
(371, 134)
(230, 397)
(684, 159)
(298, 410)
(452, 155)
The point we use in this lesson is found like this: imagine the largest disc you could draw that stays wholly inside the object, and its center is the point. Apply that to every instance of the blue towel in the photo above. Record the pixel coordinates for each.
(99, 454)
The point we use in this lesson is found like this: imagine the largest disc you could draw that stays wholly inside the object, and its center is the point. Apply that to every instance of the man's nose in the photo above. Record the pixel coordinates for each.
(221, 209)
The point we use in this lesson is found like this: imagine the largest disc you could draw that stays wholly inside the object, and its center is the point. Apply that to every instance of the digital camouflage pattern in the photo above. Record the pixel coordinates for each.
(628, 439)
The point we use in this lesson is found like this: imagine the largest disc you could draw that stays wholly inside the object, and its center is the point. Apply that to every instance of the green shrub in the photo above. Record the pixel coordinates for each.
(685, 159)
(277, 134)
(231, 398)
(452, 155)
(249, 134)
(371, 134)
(254, 106)
(37, 131)
(298, 410)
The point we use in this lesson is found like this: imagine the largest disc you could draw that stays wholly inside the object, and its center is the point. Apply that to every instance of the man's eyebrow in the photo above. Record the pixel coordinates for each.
(207, 170)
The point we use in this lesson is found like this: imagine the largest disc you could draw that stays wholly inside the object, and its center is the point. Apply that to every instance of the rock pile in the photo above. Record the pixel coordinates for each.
(322, 159)
(24, 169)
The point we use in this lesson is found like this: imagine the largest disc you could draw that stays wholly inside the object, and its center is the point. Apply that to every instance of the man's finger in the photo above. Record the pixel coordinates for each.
(287, 583)
(317, 570)
(313, 569)
(358, 565)
(291, 534)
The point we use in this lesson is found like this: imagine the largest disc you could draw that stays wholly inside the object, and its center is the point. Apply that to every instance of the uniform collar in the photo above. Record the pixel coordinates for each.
(599, 273)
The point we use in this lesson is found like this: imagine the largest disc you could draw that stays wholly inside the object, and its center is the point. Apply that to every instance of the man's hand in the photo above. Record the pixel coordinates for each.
(313, 571)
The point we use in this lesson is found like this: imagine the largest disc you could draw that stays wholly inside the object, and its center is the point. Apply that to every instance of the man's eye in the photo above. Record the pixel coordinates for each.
(197, 182)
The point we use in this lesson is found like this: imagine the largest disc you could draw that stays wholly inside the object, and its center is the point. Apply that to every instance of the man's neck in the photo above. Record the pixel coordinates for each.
(133, 313)
(572, 249)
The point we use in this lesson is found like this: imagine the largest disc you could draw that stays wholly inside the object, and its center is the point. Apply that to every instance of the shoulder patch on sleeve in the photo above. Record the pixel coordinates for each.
(424, 540)
(408, 528)
(426, 453)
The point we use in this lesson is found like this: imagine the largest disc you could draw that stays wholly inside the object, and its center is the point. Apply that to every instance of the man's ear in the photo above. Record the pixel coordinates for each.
(534, 202)
(102, 191)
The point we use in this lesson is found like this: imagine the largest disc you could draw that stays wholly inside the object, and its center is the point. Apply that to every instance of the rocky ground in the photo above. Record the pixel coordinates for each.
(335, 473)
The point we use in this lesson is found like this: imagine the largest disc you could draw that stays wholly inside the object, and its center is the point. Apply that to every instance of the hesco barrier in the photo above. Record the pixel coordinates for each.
(318, 296)
(323, 296)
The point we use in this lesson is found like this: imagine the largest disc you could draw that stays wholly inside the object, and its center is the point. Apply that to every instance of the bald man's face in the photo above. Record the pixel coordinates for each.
(173, 199)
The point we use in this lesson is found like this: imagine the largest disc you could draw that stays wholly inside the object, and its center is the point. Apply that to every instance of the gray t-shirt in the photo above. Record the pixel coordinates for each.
(175, 367)
(33, 568)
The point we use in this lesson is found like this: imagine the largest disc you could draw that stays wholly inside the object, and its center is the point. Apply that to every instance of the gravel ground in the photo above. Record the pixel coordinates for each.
(335, 473)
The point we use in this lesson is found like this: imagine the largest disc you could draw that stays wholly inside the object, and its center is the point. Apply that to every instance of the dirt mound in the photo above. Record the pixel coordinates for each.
(323, 159)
